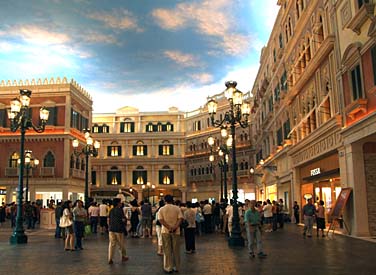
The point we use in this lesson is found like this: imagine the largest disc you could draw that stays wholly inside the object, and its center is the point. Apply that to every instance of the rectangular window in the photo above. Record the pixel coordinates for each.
(279, 136)
(113, 177)
(276, 93)
(74, 119)
(93, 177)
(140, 150)
(373, 56)
(166, 177)
(52, 117)
(271, 104)
(95, 129)
(3, 118)
(166, 150)
(356, 82)
(284, 81)
(286, 128)
(126, 127)
(361, 3)
(149, 127)
(139, 177)
(114, 151)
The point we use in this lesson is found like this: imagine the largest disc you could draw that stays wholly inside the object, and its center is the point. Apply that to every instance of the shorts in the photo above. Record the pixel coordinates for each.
(103, 221)
(146, 222)
(68, 229)
(320, 223)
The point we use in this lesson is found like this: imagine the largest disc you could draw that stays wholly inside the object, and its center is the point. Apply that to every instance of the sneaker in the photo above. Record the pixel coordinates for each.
(261, 255)
(110, 262)
(188, 252)
(124, 258)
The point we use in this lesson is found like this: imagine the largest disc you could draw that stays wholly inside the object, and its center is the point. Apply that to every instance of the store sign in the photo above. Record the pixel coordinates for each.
(3, 191)
(315, 172)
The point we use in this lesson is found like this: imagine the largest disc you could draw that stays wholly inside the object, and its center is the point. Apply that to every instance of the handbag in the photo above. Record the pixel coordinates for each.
(65, 221)
(87, 230)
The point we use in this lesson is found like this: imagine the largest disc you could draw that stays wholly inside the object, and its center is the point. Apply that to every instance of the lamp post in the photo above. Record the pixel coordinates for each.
(90, 149)
(20, 118)
(236, 115)
(223, 152)
(30, 163)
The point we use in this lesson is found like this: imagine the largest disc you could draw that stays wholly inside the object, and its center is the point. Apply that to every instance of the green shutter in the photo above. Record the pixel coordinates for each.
(134, 150)
(171, 149)
(132, 127)
(119, 151)
(108, 151)
(145, 150)
(122, 127)
(160, 150)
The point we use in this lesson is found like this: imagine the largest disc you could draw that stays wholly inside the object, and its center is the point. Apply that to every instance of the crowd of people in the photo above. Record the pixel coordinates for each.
(171, 219)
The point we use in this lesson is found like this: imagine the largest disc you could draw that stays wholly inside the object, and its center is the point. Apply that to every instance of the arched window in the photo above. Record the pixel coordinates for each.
(297, 8)
(166, 175)
(49, 160)
(290, 27)
(114, 176)
(13, 160)
(83, 165)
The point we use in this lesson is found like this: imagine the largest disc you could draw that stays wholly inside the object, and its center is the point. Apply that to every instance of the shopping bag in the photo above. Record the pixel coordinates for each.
(87, 230)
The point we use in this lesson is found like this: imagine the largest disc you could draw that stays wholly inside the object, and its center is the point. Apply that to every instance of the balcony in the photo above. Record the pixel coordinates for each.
(76, 173)
(356, 23)
(11, 172)
(358, 106)
(47, 171)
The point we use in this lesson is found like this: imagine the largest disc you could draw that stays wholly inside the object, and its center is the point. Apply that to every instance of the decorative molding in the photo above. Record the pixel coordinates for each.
(346, 13)
(358, 106)
(361, 16)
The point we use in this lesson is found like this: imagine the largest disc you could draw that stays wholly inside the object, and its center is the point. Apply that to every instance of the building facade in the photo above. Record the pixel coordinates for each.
(60, 174)
(141, 154)
(205, 178)
(356, 33)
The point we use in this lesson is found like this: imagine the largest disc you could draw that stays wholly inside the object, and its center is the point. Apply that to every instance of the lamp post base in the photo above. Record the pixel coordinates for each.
(236, 241)
(18, 237)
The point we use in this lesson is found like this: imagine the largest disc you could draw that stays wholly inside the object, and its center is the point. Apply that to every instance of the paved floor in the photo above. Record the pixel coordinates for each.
(288, 253)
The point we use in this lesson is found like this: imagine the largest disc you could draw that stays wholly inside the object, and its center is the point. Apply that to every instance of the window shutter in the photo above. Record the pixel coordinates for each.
(108, 151)
(160, 177)
(171, 149)
(119, 151)
(122, 127)
(160, 150)
(132, 127)
(145, 150)
(109, 177)
(135, 150)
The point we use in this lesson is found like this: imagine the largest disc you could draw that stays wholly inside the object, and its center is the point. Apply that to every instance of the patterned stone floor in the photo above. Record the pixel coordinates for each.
(288, 253)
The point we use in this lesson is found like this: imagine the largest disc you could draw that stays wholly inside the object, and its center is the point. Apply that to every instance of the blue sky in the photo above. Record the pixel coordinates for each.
(149, 54)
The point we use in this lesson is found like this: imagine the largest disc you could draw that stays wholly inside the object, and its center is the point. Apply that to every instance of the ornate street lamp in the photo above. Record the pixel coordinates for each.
(30, 163)
(236, 115)
(90, 149)
(20, 118)
(223, 152)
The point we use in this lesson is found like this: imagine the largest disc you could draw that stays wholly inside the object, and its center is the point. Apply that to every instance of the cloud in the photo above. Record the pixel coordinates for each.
(203, 78)
(211, 18)
(38, 35)
(185, 60)
(96, 37)
(117, 19)
(185, 95)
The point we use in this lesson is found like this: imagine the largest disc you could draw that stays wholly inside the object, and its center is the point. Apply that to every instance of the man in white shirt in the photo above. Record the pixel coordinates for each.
(103, 213)
(170, 216)
(93, 216)
(268, 215)
(207, 212)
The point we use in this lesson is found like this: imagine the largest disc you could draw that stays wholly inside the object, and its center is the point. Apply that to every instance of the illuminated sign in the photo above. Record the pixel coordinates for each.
(3, 191)
(315, 171)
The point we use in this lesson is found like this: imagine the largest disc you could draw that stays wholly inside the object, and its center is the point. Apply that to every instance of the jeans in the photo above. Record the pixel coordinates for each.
(308, 225)
(79, 233)
(254, 238)
(94, 224)
(58, 229)
(189, 235)
(29, 222)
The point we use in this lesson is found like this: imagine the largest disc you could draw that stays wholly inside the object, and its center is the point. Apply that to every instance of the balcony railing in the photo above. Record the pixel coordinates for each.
(76, 173)
(47, 171)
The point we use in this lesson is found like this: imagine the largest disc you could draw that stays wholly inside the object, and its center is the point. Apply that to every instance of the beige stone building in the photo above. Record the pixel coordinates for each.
(141, 154)
(296, 107)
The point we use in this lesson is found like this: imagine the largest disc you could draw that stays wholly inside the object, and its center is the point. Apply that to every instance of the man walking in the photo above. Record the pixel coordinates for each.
(116, 223)
(170, 217)
(309, 211)
(103, 213)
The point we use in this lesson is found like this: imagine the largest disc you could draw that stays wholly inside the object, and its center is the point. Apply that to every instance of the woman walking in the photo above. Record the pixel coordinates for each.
(320, 219)
(66, 222)
(190, 230)
(135, 212)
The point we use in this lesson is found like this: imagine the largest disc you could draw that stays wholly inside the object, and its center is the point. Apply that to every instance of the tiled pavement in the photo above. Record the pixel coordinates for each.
(288, 253)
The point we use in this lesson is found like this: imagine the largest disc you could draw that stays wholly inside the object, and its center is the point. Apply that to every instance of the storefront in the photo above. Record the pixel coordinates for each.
(320, 180)
(3, 195)
(271, 192)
